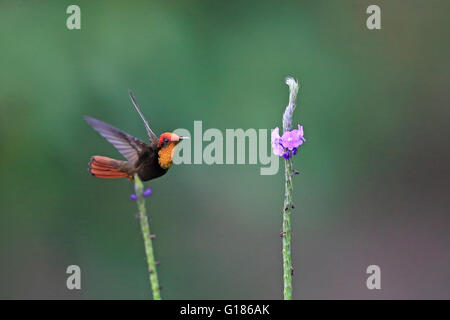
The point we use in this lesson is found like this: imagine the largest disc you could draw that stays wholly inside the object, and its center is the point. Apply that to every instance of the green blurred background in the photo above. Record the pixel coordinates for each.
(374, 179)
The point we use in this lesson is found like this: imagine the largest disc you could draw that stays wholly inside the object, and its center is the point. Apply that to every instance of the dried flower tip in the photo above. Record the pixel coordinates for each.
(152, 236)
(157, 262)
(292, 271)
(295, 171)
(293, 89)
(292, 205)
(291, 82)
(282, 234)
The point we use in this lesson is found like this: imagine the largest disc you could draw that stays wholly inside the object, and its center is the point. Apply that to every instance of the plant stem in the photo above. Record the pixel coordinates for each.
(139, 187)
(288, 195)
(287, 262)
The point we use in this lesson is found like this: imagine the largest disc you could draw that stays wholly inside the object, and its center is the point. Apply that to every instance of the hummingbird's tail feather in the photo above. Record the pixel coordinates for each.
(104, 167)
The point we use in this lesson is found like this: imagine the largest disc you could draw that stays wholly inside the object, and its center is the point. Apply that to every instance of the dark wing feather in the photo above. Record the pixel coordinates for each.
(129, 146)
(153, 137)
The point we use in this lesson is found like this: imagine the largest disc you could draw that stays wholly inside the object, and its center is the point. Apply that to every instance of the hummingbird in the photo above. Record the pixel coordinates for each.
(147, 160)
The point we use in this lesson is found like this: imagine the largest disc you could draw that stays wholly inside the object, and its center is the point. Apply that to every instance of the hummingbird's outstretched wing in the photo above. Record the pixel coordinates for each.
(129, 146)
(153, 137)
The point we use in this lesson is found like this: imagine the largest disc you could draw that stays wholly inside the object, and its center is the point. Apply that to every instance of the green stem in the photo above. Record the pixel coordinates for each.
(288, 204)
(147, 239)
(286, 235)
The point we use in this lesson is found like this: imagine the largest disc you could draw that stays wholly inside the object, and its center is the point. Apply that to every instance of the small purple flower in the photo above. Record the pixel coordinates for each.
(147, 192)
(287, 155)
(294, 151)
(133, 196)
(277, 146)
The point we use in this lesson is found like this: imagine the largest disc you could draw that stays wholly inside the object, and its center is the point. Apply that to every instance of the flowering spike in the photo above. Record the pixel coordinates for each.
(133, 197)
(291, 139)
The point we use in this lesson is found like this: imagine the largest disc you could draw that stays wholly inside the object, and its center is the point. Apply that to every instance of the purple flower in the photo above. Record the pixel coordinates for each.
(287, 155)
(293, 139)
(290, 140)
(147, 192)
(300, 134)
(133, 196)
(277, 146)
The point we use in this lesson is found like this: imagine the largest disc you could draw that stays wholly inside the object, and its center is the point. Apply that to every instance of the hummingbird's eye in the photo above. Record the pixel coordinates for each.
(166, 140)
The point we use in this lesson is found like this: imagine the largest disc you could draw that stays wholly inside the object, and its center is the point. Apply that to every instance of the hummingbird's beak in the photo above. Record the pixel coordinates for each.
(184, 138)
